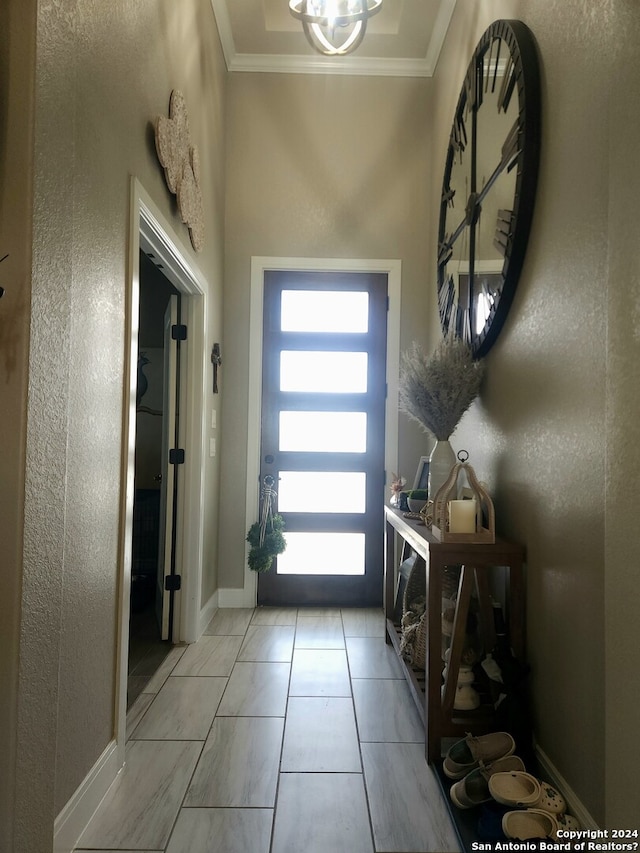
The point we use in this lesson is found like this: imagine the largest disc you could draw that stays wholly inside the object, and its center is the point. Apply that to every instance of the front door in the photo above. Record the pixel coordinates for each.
(323, 414)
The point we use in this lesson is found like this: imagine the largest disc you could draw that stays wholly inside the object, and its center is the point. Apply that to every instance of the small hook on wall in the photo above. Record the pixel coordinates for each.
(216, 361)
(2, 288)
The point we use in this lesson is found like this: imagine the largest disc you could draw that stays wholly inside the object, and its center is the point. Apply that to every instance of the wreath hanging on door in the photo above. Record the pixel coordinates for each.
(266, 536)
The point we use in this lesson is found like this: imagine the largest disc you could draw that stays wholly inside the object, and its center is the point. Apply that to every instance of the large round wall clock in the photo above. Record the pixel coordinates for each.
(489, 185)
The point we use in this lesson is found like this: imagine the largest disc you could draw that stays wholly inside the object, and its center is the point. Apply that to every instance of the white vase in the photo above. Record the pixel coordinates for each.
(441, 461)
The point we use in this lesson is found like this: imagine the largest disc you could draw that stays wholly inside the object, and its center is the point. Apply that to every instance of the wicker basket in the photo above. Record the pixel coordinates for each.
(414, 631)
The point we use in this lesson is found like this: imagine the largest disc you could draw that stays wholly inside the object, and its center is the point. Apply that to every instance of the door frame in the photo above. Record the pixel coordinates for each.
(150, 232)
(259, 264)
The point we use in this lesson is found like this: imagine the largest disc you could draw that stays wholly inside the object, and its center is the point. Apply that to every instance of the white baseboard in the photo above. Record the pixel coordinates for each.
(236, 598)
(574, 805)
(206, 613)
(74, 817)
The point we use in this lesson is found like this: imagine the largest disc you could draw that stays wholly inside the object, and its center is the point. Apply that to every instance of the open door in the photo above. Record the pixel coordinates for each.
(167, 570)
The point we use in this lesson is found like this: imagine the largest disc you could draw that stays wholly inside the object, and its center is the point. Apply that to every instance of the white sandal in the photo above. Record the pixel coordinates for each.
(524, 791)
(529, 823)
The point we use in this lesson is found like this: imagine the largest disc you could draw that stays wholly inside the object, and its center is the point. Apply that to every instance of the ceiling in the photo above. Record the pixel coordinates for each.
(403, 40)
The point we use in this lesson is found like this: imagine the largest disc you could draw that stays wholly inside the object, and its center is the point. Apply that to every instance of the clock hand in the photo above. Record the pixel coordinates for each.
(446, 246)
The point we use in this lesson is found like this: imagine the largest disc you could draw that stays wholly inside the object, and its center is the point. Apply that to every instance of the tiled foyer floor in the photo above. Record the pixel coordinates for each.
(279, 731)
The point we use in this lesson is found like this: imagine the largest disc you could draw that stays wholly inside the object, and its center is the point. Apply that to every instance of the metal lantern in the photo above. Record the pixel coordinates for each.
(457, 520)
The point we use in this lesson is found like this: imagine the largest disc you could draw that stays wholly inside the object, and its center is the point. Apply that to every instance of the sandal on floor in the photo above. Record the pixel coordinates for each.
(466, 754)
(473, 790)
(529, 823)
(524, 791)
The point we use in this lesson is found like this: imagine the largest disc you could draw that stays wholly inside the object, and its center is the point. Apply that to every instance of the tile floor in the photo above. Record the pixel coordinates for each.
(279, 731)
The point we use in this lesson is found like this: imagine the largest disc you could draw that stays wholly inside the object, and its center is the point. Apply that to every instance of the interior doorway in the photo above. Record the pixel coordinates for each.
(155, 486)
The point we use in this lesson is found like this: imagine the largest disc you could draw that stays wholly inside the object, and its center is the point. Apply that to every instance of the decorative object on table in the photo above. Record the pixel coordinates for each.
(266, 536)
(403, 501)
(421, 479)
(483, 506)
(417, 498)
(398, 482)
(489, 185)
(181, 162)
(436, 391)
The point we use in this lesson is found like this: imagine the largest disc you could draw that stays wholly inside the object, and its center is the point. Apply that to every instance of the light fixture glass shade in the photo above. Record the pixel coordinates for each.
(334, 27)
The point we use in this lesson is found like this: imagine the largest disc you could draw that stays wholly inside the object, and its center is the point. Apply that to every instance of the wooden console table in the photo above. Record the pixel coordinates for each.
(435, 700)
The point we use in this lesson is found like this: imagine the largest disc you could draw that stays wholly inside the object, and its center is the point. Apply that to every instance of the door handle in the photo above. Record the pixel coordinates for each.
(269, 459)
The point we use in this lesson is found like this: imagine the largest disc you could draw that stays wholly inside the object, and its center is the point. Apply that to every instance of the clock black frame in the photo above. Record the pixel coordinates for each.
(459, 301)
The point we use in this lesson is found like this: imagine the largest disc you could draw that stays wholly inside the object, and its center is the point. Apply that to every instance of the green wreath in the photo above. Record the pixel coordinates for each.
(261, 556)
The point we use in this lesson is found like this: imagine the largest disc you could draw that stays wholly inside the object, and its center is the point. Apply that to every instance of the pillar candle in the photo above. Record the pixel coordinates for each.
(462, 516)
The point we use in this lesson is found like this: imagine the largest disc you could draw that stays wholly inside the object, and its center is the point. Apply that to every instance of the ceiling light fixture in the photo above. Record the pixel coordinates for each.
(323, 20)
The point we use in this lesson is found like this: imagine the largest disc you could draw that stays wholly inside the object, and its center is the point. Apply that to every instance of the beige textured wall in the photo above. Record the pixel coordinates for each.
(333, 167)
(622, 449)
(104, 71)
(17, 50)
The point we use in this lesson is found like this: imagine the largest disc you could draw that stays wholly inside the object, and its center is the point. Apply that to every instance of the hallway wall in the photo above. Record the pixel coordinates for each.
(104, 71)
(17, 72)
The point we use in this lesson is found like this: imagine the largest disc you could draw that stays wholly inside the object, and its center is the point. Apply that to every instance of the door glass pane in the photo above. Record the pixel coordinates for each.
(323, 432)
(322, 554)
(324, 311)
(321, 491)
(323, 372)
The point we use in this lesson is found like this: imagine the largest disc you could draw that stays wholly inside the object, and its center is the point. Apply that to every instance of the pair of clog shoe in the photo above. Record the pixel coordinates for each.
(487, 769)
(538, 809)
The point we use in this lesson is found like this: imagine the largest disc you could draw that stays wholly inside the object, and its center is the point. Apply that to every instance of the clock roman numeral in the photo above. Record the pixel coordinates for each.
(447, 197)
(503, 235)
(494, 62)
(446, 299)
(459, 137)
(508, 85)
(511, 147)
(444, 251)
(479, 82)
(470, 87)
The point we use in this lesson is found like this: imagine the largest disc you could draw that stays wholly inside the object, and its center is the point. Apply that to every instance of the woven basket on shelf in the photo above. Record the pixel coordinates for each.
(414, 630)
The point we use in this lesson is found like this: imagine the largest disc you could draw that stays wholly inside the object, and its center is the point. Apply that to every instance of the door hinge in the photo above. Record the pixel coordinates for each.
(172, 583)
(176, 456)
(179, 332)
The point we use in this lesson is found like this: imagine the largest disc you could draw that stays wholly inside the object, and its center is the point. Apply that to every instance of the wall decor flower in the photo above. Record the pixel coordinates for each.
(181, 162)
